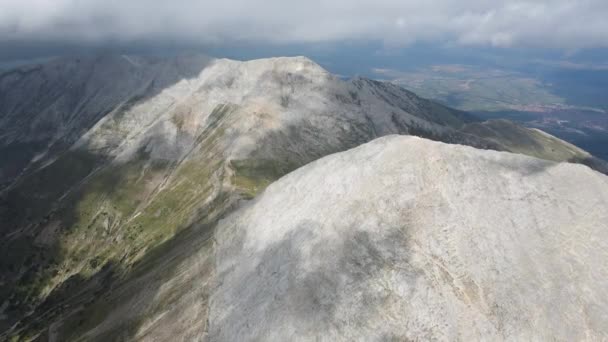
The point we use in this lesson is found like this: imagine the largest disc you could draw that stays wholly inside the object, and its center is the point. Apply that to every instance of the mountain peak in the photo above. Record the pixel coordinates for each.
(298, 65)
(109, 158)
(439, 238)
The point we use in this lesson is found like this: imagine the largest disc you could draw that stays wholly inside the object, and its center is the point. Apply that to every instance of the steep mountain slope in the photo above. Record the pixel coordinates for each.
(45, 108)
(533, 142)
(408, 239)
(120, 168)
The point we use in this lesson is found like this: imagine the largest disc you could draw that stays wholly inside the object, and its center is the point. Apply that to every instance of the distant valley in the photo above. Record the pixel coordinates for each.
(584, 127)
(568, 104)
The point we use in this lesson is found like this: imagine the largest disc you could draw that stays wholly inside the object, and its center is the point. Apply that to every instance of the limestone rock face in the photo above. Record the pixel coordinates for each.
(116, 169)
(407, 239)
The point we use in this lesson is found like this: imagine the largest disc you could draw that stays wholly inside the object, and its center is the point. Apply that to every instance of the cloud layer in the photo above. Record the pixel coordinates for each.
(526, 23)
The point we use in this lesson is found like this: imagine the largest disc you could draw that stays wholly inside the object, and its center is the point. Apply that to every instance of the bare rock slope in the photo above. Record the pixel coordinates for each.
(116, 169)
(408, 239)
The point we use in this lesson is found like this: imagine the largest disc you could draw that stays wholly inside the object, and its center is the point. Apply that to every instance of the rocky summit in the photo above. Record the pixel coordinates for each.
(116, 170)
(408, 239)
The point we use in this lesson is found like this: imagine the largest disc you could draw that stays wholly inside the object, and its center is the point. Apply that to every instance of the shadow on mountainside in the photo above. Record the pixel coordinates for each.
(318, 288)
(65, 225)
(82, 248)
(70, 96)
(168, 278)
(93, 248)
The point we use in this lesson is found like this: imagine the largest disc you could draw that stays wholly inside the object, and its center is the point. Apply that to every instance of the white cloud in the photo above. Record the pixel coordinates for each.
(568, 24)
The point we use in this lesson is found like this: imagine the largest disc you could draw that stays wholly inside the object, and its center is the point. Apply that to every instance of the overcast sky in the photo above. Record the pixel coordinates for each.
(562, 24)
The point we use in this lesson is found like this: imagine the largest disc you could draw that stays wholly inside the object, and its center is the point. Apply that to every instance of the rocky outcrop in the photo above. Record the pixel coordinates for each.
(408, 239)
(118, 168)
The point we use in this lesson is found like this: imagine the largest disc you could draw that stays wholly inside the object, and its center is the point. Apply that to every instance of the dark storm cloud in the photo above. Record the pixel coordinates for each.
(543, 23)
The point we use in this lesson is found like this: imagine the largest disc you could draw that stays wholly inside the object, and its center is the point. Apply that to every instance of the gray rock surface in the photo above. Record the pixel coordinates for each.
(116, 105)
(408, 239)
(116, 169)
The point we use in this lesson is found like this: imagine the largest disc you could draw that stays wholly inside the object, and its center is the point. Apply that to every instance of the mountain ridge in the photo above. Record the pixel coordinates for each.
(403, 238)
(175, 148)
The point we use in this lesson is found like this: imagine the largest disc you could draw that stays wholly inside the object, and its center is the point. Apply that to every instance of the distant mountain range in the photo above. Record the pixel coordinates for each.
(116, 170)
